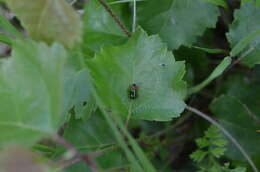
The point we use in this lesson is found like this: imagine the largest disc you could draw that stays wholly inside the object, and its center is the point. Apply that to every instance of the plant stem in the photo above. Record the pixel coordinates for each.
(84, 157)
(238, 60)
(66, 164)
(117, 20)
(134, 16)
(129, 115)
(225, 132)
(180, 121)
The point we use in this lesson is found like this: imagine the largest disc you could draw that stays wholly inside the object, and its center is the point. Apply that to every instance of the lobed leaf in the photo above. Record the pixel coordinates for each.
(178, 22)
(100, 28)
(31, 92)
(143, 61)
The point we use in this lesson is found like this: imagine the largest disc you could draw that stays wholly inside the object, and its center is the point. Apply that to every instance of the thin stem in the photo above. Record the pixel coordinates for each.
(66, 164)
(179, 122)
(117, 20)
(134, 16)
(225, 132)
(238, 60)
(129, 115)
(73, 2)
(84, 157)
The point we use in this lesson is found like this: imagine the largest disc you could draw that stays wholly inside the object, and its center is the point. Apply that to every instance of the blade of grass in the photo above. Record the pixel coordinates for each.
(138, 151)
(134, 16)
(121, 141)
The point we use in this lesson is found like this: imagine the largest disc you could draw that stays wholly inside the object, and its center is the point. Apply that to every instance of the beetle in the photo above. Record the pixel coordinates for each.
(133, 91)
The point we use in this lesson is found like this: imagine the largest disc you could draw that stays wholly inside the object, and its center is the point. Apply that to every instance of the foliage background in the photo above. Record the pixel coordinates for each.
(66, 68)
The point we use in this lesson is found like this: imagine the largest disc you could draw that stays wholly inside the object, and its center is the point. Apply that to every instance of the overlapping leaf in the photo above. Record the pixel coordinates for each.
(246, 22)
(238, 111)
(31, 92)
(89, 135)
(100, 28)
(48, 20)
(143, 61)
(178, 22)
(78, 96)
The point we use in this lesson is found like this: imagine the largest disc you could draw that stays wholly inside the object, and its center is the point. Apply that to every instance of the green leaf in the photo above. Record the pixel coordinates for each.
(31, 92)
(5, 39)
(202, 142)
(48, 20)
(243, 43)
(92, 134)
(100, 28)
(78, 95)
(244, 32)
(95, 135)
(218, 151)
(217, 72)
(257, 2)
(221, 3)
(143, 61)
(236, 118)
(239, 169)
(178, 22)
(198, 155)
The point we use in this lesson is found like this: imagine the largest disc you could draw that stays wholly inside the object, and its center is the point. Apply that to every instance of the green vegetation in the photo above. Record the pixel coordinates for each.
(129, 85)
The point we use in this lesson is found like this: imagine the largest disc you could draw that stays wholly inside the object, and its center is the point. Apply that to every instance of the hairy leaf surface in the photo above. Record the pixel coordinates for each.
(100, 28)
(178, 22)
(143, 61)
(31, 91)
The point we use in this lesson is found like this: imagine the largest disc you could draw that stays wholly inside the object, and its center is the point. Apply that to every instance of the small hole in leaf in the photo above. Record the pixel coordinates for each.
(163, 64)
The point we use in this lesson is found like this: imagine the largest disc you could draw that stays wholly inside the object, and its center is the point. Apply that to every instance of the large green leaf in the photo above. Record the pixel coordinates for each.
(245, 28)
(238, 120)
(143, 61)
(48, 20)
(245, 89)
(178, 22)
(238, 111)
(89, 135)
(100, 28)
(78, 97)
(31, 91)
